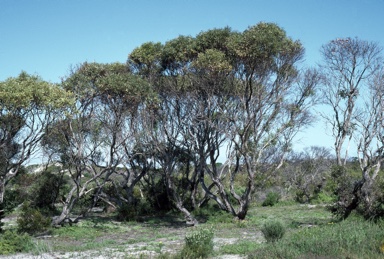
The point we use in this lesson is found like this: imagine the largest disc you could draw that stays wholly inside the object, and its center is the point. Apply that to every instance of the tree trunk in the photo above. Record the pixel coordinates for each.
(2, 189)
(173, 195)
(355, 199)
(67, 207)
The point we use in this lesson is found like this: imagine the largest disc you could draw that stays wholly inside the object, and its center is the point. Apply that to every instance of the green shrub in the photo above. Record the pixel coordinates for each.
(198, 244)
(13, 197)
(271, 199)
(212, 214)
(324, 198)
(126, 212)
(18, 190)
(11, 242)
(46, 190)
(273, 230)
(32, 221)
(131, 212)
(157, 196)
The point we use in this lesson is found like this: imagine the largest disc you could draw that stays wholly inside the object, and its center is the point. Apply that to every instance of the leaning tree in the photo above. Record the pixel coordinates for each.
(28, 105)
(98, 140)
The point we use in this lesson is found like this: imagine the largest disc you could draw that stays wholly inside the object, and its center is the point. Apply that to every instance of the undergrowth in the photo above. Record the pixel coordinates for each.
(352, 238)
(12, 242)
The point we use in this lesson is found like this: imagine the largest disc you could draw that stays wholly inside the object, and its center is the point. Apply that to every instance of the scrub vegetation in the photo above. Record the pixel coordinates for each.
(186, 151)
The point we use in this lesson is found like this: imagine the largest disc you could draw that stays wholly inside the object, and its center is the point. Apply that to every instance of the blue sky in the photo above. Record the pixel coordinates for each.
(46, 37)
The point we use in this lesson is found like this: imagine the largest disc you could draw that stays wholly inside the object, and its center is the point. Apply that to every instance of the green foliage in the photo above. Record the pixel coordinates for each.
(13, 197)
(23, 91)
(18, 189)
(198, 244)
(32, 221)
(156, 195)
(271, 199)
(11, 242)
(145, 59)
(83, 203)
(324, 198)
(108, 81)
(214, 39)
(46, 190)
(242, 247)
(375, 210)
(132, 212)
(273, 230)
(352, 238)
(354, 194)
(177, 52)
(260, 44)
(213, 214)
(212, 61)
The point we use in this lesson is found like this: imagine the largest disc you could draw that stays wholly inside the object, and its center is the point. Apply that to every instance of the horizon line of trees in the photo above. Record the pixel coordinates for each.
(159, 123)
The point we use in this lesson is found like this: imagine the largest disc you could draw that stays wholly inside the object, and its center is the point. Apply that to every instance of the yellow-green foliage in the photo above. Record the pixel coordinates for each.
(32, 221)
(273, 230)
(11, 242)
(198, 244)
(26, 91)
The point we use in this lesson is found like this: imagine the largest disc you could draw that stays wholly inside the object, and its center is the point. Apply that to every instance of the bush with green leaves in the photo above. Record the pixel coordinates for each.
(271, 199)
(18, 190)
(32, 221)
(131, 212)
(46, 189)
(273, 230)
(198, 244)
(12, 242)
(324, 198)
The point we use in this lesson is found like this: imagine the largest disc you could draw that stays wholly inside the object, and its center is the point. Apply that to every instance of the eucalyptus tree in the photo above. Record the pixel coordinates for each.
(247, 94)
(94, 140)
(352, 71)
(166, 137)
(370, 144)
(27, 106)
(271, 104)
(210, 95)
(347, 66)
(225, 90)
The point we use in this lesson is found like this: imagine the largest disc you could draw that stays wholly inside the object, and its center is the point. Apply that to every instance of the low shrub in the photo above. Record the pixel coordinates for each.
(46, 190)
(271, 199)
(324, 198)
(198, 244)
(11, 242)
(32, 221)
(273, 230)
(126, 213)
(212, 214)
(132, 212)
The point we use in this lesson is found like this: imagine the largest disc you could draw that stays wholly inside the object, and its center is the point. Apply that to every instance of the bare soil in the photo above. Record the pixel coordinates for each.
(146, 239)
